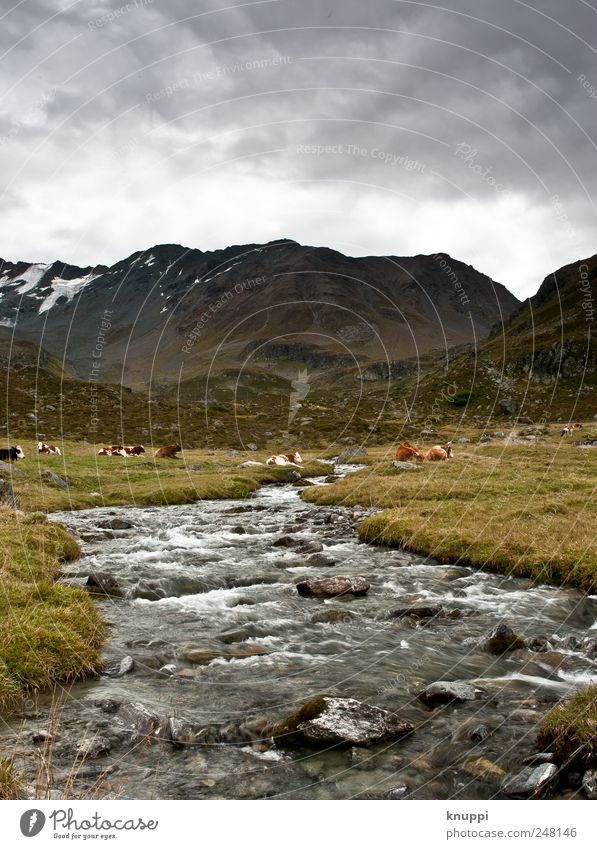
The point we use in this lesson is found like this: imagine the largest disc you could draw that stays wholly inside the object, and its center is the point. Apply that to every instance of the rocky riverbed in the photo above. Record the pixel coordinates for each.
(227, 629)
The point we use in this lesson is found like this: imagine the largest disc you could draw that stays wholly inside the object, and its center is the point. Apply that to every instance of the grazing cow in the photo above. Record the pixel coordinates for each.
(42, 448)
(13, 453)
(406, 452)
(294, 459)
(169, 451)
(570, 427)
(439, 452)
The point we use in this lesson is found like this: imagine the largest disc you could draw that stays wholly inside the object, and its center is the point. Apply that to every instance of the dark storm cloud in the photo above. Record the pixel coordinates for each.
(463, 126)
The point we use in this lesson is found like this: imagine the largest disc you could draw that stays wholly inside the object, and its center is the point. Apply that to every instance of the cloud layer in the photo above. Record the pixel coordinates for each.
(373, 127)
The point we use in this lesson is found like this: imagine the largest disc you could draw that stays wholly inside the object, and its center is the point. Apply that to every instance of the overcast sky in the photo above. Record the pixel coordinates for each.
(371, 126)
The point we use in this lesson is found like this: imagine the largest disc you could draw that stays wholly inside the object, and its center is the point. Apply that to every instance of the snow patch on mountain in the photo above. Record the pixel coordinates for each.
(65, 289)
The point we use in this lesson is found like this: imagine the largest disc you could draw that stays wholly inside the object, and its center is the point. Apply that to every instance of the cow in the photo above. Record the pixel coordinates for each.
(571, 427)
(406, 452)
(15, 452)
(134, 450)
(169, 451)
(439, 452)
(42, 448)
(293, 459)
(112, 451)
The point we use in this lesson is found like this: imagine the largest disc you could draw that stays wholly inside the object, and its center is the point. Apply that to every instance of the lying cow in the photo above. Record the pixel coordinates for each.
(11, 454)
(122, 450)
(406, 452)
(439, 452)
(112, 451)
(285, 459)
(42, 448)
(169, 451)
(567, 431)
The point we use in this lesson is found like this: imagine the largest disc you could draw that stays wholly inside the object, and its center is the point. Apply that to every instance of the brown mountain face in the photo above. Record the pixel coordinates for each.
(173, 314)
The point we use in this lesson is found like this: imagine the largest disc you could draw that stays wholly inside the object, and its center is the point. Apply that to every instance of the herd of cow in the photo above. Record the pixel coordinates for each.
(15, 452)
(405, 452)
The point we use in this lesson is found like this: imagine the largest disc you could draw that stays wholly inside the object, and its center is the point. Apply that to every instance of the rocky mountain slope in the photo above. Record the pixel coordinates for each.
(542, 363)
(173, 314)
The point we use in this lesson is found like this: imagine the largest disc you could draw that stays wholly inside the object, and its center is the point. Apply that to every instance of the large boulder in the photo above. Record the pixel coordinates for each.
(329, 721)
(333, 587)
(532, 782)
(502, 639)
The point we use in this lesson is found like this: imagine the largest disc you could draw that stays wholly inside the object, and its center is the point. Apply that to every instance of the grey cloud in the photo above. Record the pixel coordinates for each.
(167, 88)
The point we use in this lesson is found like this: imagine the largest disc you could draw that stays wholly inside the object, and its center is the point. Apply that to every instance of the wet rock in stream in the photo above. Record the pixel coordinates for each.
(333, 587)
(326, 721)
(502, 639)
(532, 782)
(449, 691)
(102, 583)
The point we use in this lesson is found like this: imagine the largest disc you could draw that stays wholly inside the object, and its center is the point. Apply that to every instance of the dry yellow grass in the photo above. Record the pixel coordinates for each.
(525, 510)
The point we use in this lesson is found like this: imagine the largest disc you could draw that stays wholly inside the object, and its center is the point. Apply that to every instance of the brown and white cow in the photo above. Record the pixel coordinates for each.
(134, 450)
(406, 452)
(42, 448)
(113, 451)
(169, 451)
(571, 427)
(293, 459)
(439, 452)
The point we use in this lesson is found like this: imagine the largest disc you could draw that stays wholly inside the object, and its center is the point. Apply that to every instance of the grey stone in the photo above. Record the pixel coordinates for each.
(403, 466)
(332, 587)
(102, 583)
(502, 639)
(327, 720)
(93, 747)
(418, 611)
(7, 495)
(449, 691)
(118, 668)
(142, 723)
(55, 480)
(116, 524)
(589, 783)
(532, 782)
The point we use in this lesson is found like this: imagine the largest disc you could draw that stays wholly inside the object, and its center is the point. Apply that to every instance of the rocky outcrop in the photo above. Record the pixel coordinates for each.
(328, 721)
